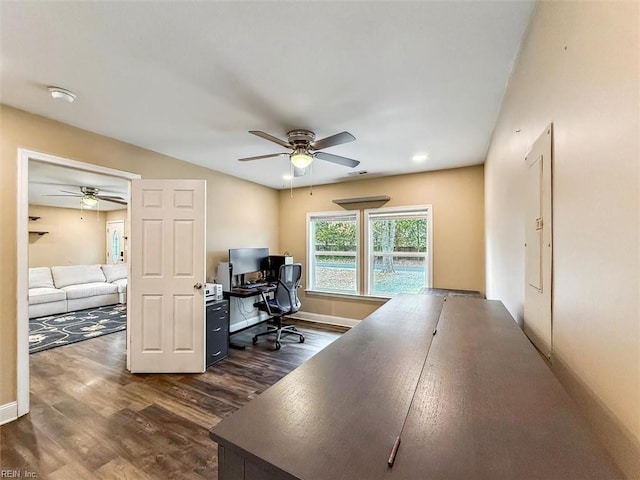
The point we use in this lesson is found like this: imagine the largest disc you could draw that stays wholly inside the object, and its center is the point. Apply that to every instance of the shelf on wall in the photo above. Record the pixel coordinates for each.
(35, 232)
(362, 202)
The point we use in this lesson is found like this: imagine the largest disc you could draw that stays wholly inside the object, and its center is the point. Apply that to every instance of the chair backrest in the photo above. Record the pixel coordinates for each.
(285, 295)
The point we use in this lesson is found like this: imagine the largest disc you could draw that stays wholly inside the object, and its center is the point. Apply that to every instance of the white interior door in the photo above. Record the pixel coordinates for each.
(538, 244)
(115, 242)
(167, 272)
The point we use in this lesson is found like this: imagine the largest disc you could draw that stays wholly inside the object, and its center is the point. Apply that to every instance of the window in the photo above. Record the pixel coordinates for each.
(115, 247)
(398, 250)
(333, 252)
(397, 254)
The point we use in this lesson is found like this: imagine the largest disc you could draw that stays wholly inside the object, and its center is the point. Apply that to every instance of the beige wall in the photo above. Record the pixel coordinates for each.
(458, 211)
(74, 238)
(116, 215)
(231, 226)
(579, 68)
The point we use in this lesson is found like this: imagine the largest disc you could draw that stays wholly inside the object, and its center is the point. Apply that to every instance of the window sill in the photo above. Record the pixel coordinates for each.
(347, 296)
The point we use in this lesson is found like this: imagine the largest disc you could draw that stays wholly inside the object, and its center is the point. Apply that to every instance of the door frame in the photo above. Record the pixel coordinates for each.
(22, 257)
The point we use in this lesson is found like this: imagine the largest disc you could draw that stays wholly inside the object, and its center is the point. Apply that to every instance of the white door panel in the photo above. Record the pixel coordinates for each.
(167, 257)
(538, 247)
(533, 234)
(115, 242)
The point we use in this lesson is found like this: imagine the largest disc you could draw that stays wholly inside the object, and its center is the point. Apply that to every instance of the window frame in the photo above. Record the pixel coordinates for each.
(313, 216)
(369, 248)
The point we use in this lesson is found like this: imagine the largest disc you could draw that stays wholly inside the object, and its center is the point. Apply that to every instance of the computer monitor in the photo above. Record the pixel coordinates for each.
(246, 260)
(270, 266)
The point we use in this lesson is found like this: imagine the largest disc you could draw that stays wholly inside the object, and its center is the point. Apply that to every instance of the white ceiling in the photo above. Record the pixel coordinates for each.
(189, 79)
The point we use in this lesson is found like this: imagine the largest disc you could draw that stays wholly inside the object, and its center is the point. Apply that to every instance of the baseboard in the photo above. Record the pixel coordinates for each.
(8, 412)
(614, 436)
(328, 319)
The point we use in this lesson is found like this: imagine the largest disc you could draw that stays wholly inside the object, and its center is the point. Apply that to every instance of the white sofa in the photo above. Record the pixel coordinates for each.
(61, 289)
(117, 275)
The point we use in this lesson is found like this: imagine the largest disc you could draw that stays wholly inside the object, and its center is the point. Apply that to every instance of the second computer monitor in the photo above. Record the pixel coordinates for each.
(246, 260)
(271, 266)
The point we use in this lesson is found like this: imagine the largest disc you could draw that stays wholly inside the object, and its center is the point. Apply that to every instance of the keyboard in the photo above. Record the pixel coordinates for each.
(255, 285)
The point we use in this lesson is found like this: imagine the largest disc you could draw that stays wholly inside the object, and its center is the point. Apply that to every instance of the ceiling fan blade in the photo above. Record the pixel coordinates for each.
(61, 195)
(271, 138)
(337, 139)
(329, 157)
(299, 172)
(246, 159)
(119, 200)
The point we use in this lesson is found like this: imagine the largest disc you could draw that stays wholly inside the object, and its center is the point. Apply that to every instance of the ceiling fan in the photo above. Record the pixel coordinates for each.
(89, 196)
(305, 148)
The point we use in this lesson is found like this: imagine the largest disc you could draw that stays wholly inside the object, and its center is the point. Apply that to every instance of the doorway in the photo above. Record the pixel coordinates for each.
(24, 157)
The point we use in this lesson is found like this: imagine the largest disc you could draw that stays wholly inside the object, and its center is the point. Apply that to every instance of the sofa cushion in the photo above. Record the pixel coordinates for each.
(121, 284)
(45, 295)
(76, 275)
(40, 277)
(115, 272)
(89, 290)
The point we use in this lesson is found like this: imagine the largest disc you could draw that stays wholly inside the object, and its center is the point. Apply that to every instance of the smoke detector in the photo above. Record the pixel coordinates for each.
(62, 94)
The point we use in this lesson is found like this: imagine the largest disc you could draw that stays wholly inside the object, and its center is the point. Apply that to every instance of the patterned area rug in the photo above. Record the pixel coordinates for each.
(57, 330)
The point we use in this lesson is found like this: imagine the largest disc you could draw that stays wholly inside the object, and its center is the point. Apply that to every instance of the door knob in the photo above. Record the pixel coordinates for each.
(197, 286)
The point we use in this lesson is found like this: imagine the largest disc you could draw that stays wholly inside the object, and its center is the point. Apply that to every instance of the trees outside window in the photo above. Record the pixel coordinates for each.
(397, 249)
(333, 259)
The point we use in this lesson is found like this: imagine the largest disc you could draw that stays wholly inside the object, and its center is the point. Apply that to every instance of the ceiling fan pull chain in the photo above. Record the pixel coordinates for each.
(290, 180)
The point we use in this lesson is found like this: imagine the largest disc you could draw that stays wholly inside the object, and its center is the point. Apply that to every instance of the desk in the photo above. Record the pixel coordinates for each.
(484, 406)
(244, 293)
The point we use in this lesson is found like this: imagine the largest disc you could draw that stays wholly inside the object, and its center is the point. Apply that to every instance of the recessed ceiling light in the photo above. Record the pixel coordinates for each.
(420, 157)
(287, 177)
(62, 94)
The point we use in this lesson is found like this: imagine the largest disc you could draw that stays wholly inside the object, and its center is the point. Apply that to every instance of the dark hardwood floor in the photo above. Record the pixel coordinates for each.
(91, 419)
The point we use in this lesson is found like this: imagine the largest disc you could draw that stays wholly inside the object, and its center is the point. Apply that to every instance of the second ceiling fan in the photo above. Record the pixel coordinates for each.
(89, 196)
(305, 148)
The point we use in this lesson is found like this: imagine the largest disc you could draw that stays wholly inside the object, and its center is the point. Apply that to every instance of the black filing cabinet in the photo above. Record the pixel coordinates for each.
(217, 331)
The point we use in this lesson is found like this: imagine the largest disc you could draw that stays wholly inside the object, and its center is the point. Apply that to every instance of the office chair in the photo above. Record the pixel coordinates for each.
(284, 302)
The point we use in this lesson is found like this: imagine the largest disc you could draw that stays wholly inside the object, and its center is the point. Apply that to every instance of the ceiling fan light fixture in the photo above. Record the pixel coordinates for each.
(62, 94)
(300, 158)
(89, 201)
